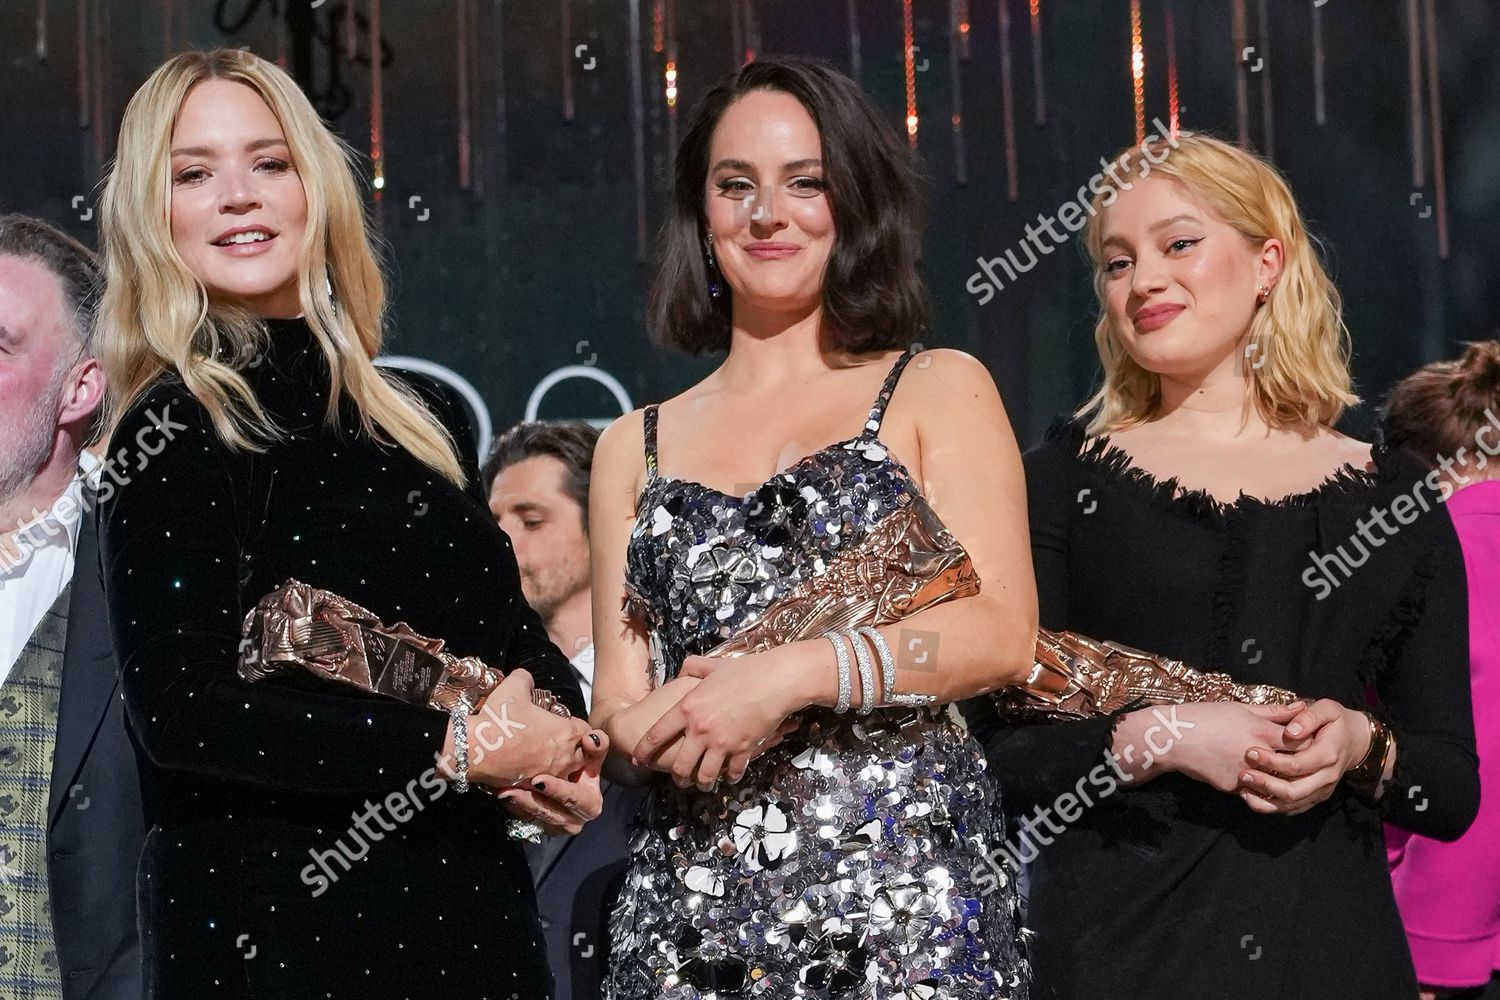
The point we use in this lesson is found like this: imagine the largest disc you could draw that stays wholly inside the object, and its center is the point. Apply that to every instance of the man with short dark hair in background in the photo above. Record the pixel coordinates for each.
(537, 475)
(71, 822)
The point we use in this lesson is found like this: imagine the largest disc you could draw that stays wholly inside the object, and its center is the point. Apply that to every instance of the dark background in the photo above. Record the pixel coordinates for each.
(539, 264)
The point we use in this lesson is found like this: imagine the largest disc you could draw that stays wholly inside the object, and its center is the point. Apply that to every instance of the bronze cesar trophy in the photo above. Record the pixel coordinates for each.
(910, 561)
(299, 627)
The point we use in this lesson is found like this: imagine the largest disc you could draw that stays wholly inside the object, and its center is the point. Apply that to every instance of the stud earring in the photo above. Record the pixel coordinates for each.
(715, 290)
(1262, 293)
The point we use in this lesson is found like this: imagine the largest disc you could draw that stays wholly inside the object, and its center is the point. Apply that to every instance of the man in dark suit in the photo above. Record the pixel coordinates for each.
(71, 821)
(538, 480)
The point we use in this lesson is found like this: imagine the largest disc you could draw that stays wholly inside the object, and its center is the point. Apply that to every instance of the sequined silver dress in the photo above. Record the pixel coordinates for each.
(840, 866)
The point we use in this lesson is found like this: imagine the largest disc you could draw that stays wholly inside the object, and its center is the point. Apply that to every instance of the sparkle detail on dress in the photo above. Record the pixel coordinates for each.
(841, 865)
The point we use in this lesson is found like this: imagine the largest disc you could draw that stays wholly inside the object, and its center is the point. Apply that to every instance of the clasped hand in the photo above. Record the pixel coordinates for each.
(544, 767)
(1323, 741)
(734, 709)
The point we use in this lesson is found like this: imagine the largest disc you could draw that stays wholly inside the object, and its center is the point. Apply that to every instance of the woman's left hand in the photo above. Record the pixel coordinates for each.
(1326, 740)
(561, 805)
(733, 714)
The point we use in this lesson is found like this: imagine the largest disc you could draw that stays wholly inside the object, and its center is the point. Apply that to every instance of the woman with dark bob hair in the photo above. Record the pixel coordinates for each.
(796, 851)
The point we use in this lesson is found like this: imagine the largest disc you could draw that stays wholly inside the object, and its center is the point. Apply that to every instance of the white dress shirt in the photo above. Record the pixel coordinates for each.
(583, 663)
(32, 578)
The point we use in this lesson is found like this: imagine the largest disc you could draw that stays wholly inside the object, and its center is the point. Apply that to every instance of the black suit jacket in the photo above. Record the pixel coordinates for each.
(96, 824)
(578, 880)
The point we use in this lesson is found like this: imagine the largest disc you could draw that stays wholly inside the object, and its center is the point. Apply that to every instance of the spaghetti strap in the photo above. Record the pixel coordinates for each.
(877, 411)
(649, 419)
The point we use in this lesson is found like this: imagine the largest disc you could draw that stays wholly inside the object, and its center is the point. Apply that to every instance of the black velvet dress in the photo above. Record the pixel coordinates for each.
(302, 845)
(1174, 889)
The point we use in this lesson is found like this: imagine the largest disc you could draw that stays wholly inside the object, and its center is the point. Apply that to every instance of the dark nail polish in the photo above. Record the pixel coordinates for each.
(540, 786)
(595, 738)
(504, 798)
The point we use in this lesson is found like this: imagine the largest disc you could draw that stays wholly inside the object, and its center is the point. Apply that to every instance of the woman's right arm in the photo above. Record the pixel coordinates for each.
(174, 536)
(1035, 762)
(625, 704)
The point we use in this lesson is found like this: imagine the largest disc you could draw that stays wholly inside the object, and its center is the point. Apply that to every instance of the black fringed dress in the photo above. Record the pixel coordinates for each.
(1176, 889)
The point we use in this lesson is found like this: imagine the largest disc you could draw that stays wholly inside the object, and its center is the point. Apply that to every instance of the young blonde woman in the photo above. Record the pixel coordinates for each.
(1202, 507)
(306, 842)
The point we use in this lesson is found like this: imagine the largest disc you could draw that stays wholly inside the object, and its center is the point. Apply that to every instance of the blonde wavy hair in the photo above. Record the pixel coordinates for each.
(156, 316)
(1304, 380)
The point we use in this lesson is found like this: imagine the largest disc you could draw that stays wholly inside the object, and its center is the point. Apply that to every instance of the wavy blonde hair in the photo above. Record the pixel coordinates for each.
(1304, 379)
(156, 316)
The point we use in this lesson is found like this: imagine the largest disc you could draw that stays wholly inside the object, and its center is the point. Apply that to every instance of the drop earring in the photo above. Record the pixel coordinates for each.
(1262, 293)
(715, 289)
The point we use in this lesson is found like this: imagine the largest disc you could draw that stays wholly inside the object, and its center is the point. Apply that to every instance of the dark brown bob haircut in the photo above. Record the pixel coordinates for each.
(873, 298)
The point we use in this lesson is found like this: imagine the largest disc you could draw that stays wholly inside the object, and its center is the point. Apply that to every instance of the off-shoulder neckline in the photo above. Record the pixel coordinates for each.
(1102, 455)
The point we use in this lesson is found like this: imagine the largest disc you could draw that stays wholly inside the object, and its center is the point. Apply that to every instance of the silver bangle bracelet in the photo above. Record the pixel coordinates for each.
(887, 662)
(459, 713)
(868, 695)
(846, 683)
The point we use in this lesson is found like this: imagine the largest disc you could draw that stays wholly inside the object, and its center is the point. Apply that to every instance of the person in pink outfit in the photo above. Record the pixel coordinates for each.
(1448, 414)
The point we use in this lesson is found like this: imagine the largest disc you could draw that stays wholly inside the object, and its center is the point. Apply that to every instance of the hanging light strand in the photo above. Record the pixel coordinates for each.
(1320, 93)
(1414, 88)
(465, 135)
(1174, 120)
(1007, 107)
(1263, 62)
(1138, 71)
(377, 114)
(908, 37)
(1037, 79)
(1241, 94)
(852, 15)
(670, 75)
(1435, 122)
(955, 80)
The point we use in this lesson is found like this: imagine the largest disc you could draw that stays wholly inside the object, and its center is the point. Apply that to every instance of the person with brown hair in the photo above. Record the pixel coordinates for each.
(829, 854)
(1447, 415)
(537, 475)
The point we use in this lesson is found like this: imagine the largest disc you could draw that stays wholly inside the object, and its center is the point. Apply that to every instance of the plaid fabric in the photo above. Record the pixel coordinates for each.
(28, 735)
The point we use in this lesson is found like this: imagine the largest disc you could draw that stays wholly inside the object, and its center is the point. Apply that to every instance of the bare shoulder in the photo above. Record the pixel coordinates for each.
(949, 399)
(1341, 449)
(944, 378)
(626, 431)
(949, 362)
(620, 452)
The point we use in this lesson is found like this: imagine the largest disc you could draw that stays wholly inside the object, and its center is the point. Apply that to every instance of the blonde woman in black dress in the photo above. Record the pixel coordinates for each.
(1201, 508)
